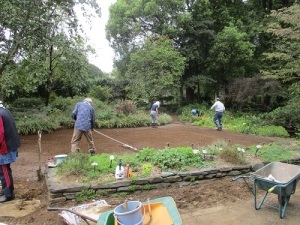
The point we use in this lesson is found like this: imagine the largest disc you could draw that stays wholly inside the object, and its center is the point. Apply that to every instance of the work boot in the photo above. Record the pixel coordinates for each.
(92, 151)
(6, 199)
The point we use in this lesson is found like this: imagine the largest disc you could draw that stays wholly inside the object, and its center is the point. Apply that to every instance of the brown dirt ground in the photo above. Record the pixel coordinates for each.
(211, 202)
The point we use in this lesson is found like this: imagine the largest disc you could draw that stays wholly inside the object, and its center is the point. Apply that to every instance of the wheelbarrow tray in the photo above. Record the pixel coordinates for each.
(286, 177)
(163, 211)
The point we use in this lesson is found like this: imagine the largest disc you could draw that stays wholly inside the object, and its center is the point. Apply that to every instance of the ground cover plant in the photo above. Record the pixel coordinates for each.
(99, 168)
(248, 123)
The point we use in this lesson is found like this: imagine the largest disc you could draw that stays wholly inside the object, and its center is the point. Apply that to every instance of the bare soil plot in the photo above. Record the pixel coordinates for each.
(212, 202)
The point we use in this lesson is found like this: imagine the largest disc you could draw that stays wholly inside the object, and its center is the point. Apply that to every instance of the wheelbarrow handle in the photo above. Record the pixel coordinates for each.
(238, 177)
(275, 186)
(85, 217)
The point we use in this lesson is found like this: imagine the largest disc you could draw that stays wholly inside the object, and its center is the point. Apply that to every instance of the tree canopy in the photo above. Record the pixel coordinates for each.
(284, 57)
(155, 70)
(34, 30)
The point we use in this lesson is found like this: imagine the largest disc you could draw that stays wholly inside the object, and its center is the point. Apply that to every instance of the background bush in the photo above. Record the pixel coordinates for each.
(32, 116)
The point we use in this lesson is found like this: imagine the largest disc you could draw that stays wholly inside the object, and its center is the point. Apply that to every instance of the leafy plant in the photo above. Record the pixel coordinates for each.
(233, 155)
(126, 107)
(75, 164)
(85, 195)
(176, 158)
(145, 154)
(275, 152)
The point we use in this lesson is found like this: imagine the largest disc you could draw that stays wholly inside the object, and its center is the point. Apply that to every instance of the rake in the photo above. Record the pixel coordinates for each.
(123, 144)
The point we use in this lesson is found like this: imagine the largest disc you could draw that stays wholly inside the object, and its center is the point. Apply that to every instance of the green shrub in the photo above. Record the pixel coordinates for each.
(75, 164)
(100, 93)
(27, 124)
(272, 131)
(145, 155)
(234, 155)
(287, 116)
(176, 158)
(27, 104)
(216, 147)
(126, 107)
(275, 152)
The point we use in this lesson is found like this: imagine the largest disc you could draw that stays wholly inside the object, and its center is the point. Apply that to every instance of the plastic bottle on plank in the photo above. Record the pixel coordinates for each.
(126, 171)
(119, 174)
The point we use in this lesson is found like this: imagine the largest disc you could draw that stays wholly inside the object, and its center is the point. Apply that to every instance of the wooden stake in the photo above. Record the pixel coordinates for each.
(39, 171)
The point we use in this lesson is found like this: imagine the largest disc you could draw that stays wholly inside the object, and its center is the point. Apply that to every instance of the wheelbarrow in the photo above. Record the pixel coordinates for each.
(277, 178)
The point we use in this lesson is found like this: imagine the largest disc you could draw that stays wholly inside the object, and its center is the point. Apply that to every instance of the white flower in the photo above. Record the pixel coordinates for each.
(258, 146)
(220, 149)
(196, 151)
(239, 149)
(111, 157)
(242, 150)
(204, 151)
(94, 164)
(244, 123)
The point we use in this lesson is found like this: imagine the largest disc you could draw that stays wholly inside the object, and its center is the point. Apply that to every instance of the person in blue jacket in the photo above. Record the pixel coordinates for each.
(9, 144)
(84, 116)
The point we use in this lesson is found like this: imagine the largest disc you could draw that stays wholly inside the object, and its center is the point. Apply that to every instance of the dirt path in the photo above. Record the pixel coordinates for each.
(213, 202)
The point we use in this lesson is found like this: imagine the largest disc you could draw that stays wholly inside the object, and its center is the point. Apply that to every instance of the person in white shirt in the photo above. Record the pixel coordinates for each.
(219, 108)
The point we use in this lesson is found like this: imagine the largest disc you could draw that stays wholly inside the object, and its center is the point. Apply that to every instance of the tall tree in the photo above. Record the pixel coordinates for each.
(228, 57)
(59, 67)
(284, 59)
(155, 70)
(194, 42)
(131, 21)
(26, 25)
(186, 23)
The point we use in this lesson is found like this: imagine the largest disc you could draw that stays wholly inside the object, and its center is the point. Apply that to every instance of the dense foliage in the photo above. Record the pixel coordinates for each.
(32, 116)
(179, 52)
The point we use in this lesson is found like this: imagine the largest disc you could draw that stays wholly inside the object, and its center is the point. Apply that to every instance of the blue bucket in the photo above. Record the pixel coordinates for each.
(131, 216)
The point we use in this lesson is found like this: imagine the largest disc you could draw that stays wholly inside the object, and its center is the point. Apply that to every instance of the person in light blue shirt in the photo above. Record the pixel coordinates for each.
(219, 108)
(154, 113)
(84, 116)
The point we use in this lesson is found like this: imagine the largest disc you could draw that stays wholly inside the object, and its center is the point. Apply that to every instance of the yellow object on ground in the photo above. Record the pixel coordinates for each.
(159, 214)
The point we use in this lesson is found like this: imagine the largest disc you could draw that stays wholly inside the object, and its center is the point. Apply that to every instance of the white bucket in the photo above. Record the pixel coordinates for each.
(130, 216)
(60, 158)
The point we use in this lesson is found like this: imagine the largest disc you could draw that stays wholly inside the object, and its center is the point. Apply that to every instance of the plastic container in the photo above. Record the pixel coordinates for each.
(119, 173)
(129, 213)
(60, 158)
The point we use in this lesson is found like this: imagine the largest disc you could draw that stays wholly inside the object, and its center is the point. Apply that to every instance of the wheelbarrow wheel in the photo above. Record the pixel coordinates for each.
(282, 200)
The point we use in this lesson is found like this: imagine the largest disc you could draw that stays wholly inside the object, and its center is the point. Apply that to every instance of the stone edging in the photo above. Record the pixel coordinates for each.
(61, 192)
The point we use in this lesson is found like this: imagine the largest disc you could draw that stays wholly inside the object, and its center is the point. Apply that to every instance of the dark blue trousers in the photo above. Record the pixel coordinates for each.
(6, 180)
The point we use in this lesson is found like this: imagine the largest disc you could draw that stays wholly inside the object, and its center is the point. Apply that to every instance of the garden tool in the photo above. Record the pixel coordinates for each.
(123, 144)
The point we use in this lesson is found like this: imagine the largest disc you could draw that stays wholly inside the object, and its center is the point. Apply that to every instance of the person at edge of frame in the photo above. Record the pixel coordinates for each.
(9, 144)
